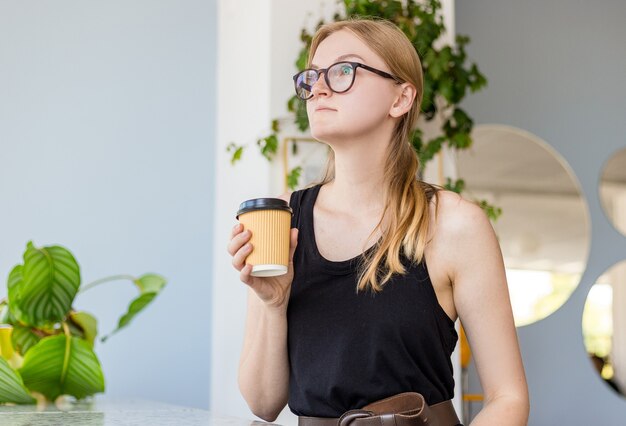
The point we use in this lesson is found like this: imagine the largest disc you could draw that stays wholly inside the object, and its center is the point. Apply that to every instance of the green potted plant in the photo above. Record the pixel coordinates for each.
(47, 346)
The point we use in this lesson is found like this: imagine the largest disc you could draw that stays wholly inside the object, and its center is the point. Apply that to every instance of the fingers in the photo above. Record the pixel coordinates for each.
(236, 229)
(240, 256)
(238, 239)
(239, 247)
(244, 274)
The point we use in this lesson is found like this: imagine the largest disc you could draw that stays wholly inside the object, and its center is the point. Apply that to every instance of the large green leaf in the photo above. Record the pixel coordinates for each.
(42, 290)
(61, 365)
(149, 286)
(12, 388)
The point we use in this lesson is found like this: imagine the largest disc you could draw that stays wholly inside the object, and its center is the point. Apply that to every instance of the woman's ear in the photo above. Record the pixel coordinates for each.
(404, 100)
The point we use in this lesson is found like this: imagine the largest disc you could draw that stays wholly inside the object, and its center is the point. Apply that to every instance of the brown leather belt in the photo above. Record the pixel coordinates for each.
(403, 409)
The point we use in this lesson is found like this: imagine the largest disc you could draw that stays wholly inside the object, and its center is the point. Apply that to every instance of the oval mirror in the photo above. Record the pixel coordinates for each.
(613, 190)
(604, 327)
(543, 229)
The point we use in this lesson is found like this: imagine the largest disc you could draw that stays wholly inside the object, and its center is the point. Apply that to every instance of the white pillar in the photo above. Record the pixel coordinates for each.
(443, 164)
(243, 115)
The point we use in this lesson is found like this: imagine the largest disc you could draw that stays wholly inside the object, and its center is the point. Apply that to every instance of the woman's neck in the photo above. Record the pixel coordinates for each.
(359, 177)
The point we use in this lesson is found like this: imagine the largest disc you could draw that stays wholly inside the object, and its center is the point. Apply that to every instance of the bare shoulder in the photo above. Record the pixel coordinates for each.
(463, 234)
(457, 215)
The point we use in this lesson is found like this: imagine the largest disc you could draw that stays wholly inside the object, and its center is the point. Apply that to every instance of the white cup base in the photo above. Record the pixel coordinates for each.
(268, 270)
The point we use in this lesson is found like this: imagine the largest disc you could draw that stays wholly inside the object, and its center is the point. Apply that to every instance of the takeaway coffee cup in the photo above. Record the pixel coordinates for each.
(269, 220)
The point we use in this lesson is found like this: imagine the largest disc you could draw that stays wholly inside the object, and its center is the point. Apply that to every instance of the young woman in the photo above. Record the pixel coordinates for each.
(381, 263)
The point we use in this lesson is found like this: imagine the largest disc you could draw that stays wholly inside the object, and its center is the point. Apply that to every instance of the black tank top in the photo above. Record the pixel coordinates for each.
(347, 349)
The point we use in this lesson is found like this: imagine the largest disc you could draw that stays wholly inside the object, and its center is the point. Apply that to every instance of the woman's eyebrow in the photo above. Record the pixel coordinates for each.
(342, 57)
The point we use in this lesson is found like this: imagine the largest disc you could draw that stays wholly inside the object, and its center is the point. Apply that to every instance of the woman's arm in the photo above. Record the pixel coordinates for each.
(263, 376)
(264, 364)
(482, 302)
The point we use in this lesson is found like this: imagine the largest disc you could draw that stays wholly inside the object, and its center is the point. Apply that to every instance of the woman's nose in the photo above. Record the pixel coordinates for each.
(320, 86)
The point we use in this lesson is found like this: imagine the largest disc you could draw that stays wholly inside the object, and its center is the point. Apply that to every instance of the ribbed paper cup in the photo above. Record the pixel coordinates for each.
(269, 221)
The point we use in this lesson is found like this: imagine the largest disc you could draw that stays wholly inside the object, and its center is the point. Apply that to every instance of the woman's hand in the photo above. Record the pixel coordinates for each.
(273, 291)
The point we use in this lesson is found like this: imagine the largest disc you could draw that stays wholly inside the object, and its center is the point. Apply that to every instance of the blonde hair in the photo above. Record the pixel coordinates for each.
(406, 197)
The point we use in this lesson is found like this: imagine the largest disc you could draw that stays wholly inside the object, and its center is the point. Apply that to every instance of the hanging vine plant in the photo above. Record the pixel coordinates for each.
(447, 80)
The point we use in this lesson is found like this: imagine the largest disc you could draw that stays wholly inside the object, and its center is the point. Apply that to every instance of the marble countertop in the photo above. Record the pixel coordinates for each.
(109, 412)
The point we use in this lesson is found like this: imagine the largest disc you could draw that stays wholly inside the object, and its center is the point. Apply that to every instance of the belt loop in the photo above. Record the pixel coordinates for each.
(387, 419)
(350, 416)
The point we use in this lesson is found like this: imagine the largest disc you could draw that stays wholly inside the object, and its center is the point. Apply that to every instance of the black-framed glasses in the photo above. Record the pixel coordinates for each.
(339, 78)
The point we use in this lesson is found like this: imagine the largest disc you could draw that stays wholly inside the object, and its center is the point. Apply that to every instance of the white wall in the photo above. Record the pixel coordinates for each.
(270, 41)
(242, 116)
(106, 124)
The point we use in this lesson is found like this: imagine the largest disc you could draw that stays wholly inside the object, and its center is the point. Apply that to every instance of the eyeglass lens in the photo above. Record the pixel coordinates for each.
(339, 78)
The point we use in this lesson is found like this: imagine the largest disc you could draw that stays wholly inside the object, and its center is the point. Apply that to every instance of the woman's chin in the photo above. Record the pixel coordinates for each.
(327, 139)
(324, 134)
